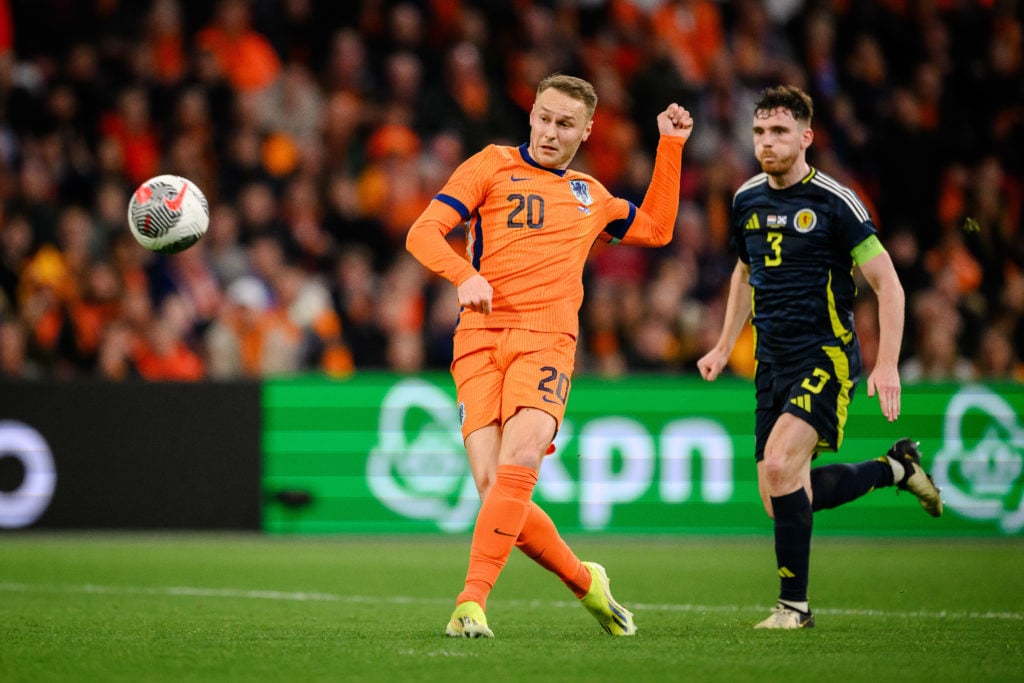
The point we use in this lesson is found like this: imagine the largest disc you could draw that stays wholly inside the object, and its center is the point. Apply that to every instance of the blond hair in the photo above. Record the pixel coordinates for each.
(574, 87)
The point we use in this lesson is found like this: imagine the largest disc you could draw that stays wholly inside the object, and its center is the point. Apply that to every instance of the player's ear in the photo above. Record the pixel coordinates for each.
(587, 129)
(807, 137)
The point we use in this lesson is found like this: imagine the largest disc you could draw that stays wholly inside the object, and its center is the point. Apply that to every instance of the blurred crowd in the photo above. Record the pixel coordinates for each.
(319, 130)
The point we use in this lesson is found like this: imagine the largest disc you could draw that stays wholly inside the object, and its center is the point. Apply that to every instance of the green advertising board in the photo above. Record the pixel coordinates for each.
(644, 454)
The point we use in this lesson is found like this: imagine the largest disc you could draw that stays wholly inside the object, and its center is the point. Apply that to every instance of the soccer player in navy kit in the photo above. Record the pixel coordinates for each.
(799, 233)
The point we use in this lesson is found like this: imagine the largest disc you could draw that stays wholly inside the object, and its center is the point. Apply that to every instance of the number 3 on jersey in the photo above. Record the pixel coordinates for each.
(775, 244)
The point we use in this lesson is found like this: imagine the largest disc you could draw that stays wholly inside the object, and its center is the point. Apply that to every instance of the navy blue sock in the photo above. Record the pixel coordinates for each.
(793, 521)
(835, 485)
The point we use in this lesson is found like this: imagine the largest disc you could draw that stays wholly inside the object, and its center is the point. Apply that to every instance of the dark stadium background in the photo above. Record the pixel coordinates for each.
(320, 129)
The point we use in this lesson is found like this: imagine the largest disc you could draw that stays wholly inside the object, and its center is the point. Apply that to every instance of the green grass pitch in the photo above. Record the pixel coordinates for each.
(175, 607)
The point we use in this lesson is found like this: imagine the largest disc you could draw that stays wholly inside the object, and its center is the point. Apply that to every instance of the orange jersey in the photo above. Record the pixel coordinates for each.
(531, 228)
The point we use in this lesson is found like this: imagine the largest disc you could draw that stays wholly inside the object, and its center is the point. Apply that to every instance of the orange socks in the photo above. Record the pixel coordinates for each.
(498, 525)
(508, 517)
(539, 540)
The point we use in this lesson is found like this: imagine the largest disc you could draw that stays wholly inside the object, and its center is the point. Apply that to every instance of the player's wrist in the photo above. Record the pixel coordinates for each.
(670, 139)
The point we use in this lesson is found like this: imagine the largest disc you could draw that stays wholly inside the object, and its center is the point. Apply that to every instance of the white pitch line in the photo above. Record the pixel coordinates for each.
(302, 596)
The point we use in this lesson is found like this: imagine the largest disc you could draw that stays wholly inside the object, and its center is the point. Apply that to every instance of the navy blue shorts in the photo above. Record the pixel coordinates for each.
(816, 387)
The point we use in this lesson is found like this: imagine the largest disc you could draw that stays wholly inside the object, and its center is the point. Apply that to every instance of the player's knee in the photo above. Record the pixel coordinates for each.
(483, 486)
(774, 468)
(779, 473)
(525, 456)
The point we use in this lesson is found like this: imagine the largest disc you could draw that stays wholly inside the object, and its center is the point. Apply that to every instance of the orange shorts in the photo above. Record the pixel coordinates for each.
(497, 372)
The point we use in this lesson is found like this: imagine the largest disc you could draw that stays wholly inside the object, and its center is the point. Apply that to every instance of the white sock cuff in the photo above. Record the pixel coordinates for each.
(898, 471)
(801, 606)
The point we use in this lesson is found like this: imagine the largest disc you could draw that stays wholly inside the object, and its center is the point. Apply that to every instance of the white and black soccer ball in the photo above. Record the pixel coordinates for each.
(168, 214)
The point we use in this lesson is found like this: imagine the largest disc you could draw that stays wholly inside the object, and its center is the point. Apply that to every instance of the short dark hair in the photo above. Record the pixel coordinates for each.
(574, 87)
(790, 97)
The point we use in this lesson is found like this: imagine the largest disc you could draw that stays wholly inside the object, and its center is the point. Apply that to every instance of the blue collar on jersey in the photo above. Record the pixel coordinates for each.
(524, 151)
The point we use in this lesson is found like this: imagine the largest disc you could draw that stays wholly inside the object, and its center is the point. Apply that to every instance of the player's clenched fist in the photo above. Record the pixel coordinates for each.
(675, 120)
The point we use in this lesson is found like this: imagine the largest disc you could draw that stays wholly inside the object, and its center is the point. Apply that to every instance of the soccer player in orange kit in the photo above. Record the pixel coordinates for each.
(531, 222)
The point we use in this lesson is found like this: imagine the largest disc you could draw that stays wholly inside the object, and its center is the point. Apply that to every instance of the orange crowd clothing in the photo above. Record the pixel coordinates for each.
(177, 363)
(693, 32)
(140, 147)
(6, 27)
(248, 60)
(531, 229)
(272, 329)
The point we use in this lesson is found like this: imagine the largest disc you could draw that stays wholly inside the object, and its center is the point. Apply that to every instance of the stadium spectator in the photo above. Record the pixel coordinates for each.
(164, 353)
(227, 256)
(694, 34)
(307, 303)
(252, 336)
(98, 307)
(936, 358)
(355, 289)
(15, 252)
(601, 336)
(997, 359)
(46, 290)
(164, 43)
(131, 129)
(14, 361)
(243, 54)
(115, 359)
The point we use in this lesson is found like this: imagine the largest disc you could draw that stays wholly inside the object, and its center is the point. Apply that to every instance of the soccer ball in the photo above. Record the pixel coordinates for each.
(168, 214)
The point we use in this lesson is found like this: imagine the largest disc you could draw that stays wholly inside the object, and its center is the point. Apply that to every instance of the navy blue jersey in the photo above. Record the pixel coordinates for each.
(798, 242)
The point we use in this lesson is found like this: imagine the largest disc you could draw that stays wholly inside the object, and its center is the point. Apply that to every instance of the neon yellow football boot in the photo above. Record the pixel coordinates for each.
(613, 617)
(468, 621)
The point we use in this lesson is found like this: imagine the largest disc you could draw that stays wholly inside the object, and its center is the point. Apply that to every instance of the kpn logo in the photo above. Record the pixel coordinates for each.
(980, 463)
(418, 468)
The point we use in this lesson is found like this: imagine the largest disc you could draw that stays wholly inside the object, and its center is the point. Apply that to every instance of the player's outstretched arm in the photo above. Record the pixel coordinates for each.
(656, 216)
